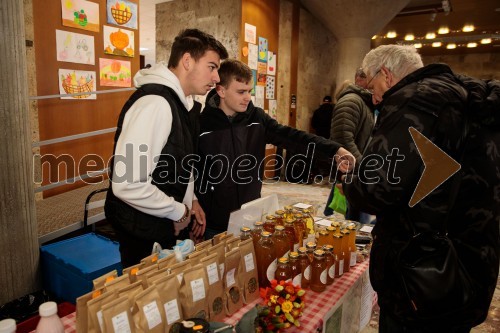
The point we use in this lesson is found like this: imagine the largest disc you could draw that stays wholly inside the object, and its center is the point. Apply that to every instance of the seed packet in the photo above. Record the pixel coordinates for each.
(130, 291)
(117, 283)
(215, 290)
(149, 314)
(94, 314)
(196, 256)
(216, 238)
(155, 275)
(231, 243)
(203, 245)
(221, 257)
(82, 309)
(248, 277)
(168, 288)
(193, 293)
(141, 274)
(179, 268)
(131, 271)
(117, 317)
(234, 297)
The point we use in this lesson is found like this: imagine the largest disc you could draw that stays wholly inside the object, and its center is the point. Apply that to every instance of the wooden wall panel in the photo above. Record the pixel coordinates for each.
(61, 117)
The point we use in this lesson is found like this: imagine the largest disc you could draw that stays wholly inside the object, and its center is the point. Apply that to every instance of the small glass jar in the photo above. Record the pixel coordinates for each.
(305, 267)
(310, 247)
(270, 223)
(331, 231)
(281, 242)
(292, 236)
(346, 249)
(336, 225)
(338, 254)
(245, 233)
(258, 227)
(265, 254)
(295, 271)
(318, 272)
(308, 220)
(300, 227)
(283, 271)
(352, 244)
(330, 263)
(280, 217)
(323, 238)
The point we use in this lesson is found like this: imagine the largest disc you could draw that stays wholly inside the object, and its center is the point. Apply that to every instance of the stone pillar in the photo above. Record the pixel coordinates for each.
(18, 227)
(353, 23)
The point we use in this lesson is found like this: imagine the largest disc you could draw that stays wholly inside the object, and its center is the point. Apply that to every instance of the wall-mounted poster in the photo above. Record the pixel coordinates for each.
(118, 42)
(270, 87)
(73, 47)
(80, 14)
(250, 33)
(114, 73)
(122, 12)
(72, 81)
(262, 49)
(261, 74)
(271, 63)
(252, 55)
(273, 109)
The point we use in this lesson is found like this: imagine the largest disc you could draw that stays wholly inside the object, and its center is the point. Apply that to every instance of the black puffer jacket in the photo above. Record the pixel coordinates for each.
(434, 101)
(223, 181)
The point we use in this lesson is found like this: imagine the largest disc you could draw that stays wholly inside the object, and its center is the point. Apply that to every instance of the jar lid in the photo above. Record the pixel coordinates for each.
(302, 249)
(7, 326)
(319, 253)
(48, 309)
(258, 223)
(266, 234)
(279, 227)
(293, 254)
(283, 260)
(245, 229)
(310, 245)
(324, 233)
(328, 247)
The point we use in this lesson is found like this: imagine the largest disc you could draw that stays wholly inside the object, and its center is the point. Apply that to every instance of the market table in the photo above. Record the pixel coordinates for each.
(345, 306)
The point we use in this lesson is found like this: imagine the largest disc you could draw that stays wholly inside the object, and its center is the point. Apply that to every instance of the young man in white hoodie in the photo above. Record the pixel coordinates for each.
(151, 195)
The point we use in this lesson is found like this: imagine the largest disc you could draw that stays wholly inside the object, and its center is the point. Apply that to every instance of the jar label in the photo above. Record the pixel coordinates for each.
(297, 280)
(271, 270)
(152, 314)
(307, 273)
(213, 273)
(121, 323)
(172, 311)
(323, 276)
(353, 258)
(249, 263)
(331, 271)
(198, 289)
(341, 266)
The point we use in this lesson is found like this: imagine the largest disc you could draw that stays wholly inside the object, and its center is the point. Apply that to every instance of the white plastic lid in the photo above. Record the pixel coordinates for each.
(7, 326)
(48, 309)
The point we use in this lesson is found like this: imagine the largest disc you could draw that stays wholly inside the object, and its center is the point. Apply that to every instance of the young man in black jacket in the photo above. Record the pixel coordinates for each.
(232, 144)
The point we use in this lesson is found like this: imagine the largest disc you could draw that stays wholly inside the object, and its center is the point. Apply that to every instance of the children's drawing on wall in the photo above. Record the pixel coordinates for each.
(261, 74)
(270, 87)
(73, 47)
(119, 42)
(80, 14)
(252, 55)
(254, 81)
(273, 109)
(122, 12)
(114, 73)
(250, 33)
(262, 49)
(72, 81)
(271, 63)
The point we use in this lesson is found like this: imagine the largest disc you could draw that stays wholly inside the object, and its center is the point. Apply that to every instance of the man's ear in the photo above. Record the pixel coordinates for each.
(221, 91)
(186, 61)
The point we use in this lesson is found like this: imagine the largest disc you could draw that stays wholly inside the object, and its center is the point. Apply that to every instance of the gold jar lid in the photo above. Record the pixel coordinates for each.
(323, 233)
(258, 223)
(319, 253)
(245, 229)
(293, 255)
(283, 260)
(331, 229)
(328, 248)
(302, 249)
(279, 228)
(310, 245)
(266, 234)
(270, 217)
(280, 212)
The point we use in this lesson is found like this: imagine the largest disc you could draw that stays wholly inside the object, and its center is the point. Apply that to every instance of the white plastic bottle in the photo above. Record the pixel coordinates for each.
(49, 320)
(7, 326)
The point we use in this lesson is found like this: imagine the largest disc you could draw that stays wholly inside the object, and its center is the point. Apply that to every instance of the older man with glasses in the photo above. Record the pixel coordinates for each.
(436, 102)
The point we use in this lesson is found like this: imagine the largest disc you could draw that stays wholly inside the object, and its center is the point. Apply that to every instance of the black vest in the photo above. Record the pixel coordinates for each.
(172, 172)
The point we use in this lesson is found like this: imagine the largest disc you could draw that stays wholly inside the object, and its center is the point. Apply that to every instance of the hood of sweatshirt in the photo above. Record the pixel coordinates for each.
(160, 74)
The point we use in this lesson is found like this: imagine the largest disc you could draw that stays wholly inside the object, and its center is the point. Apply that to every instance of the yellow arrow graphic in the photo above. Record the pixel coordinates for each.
(439, 166)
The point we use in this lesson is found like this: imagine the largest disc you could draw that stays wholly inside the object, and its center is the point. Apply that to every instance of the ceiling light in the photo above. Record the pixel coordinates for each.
(451, 46)
(486, 41)
(409, 37)
(470, 45)
(374, 37)
(391, 34)
(468, 28)
(143, 49)
(436, 44)
(443, 30)
(430, 35)
(417, 45)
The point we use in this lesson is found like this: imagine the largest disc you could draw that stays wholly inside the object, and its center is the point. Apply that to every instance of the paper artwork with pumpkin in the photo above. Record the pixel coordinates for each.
(118, 42)
(114, 73)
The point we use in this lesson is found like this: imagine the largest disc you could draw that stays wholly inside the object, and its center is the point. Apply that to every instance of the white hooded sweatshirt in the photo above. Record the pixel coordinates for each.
(145, 131)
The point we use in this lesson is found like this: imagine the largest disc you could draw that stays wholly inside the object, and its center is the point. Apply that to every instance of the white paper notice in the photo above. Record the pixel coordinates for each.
(324, 223)
(172, 311)
(250, 33)
(198, 289)
(271, 63)
(253, 55)
(213, 273)
(120, 323)
(366, 228)
(152, 314)
(230, 278)
(249, 264)
(366, 301)
(301, 205)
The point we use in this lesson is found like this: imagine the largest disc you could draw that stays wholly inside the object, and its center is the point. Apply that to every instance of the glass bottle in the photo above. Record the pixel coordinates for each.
(310, 247)
(265, 254)
(339, 256)
(283, 271)
(281, 242)
(346, 249)
(352, 244)
(288, 211)
(300, 228)
(7, 326)
(323, 237)
(245, 233)
(258, 227)
(305, 267)
(270, 223)
(318, 272)
(49, 320)
(295, 271)
(336, 225)
(280, 217)
(292, 236)
(330, 263)
(331, 232)
(308, 220)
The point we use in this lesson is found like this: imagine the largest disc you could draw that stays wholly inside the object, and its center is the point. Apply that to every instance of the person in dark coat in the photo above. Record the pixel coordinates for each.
(232, 145)
(322, 117)
(435, 102)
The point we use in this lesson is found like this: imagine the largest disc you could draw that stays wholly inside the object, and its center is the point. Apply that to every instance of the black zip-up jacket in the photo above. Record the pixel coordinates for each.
(232, 152)
(435, 101)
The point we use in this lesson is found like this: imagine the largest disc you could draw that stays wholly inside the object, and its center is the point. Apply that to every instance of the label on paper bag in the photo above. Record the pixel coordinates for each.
(152, 314)
(198, 288)
(249, 263)
(120, 323)
(172, 311)
(230, 278)
(213, 273)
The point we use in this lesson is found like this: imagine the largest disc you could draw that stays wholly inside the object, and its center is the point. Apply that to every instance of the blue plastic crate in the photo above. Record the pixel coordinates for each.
(69, 266)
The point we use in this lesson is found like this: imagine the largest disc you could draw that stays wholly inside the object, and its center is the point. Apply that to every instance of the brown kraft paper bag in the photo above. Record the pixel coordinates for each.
(82, 309)
(215, 289)
(196, 256)
(234, 297)
(179, 268)
(101, 280)
(216, 238)
(151, 277)
(193, 293)
(117, 283)
(131, 291)
(117, 316)
(232, 243)
(220, 249)
(94, 314)
(142, 274)
(203, 246)
(248, 277)
(167, 261)
(149, 315)
(131, 271)
(168, 288)
(150, 260)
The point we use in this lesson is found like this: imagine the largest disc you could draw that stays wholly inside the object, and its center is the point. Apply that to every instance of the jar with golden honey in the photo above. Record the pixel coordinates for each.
(305, 267)
(245, 233)
(330, 263)
(258, 227)
(319, 272)
(331, 231)
(283, 270)
(292, 236)
(352, 244)
(265, 254)
(295, 271)
(308, 220)
(336, 225)
(300, 227)
(323, 238)
(270, 223)
(281, 241)
(346, 249)
(338, 254)
(288, 211)
(280, 217)
(310, 247)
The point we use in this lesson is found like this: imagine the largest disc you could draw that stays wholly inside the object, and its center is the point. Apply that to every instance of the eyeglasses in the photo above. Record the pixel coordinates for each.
(368, 84)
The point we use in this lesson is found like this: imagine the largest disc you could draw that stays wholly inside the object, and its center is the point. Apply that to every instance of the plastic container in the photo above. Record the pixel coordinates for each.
(49, 320)
(8, 326)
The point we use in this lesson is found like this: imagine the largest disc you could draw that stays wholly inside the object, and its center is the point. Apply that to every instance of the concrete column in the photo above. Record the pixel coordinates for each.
(18, 227)
(353, 23)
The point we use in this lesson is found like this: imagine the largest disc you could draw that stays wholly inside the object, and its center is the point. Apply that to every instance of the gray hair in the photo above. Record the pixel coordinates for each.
(401, 60)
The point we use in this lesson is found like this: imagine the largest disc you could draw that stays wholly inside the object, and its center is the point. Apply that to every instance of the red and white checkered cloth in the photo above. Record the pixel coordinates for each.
(317, 304)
